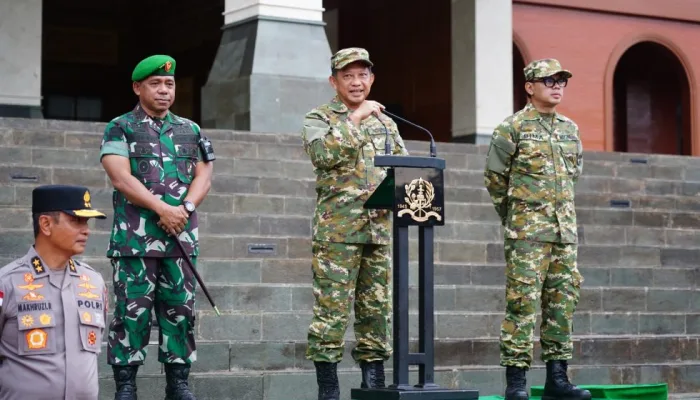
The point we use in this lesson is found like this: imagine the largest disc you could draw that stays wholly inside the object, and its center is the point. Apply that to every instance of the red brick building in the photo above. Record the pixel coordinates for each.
(635, 66)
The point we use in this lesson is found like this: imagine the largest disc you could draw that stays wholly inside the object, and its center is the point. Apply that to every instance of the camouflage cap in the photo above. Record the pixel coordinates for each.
(543, 68)
(346, 56)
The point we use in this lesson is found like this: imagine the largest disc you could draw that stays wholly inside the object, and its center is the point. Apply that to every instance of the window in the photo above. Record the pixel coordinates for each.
(81, 108)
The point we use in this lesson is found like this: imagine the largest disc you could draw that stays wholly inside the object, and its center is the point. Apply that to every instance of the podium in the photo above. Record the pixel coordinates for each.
(414, 190)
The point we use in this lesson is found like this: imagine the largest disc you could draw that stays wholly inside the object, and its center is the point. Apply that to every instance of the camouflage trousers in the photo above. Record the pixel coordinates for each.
(139, 285)
(539, 273)
(345, 274)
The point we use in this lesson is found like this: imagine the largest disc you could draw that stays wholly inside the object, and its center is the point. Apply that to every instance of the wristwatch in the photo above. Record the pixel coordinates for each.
(189, 206)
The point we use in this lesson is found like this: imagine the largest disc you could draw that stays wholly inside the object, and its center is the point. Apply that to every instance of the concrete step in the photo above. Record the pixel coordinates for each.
(604, 176)
(290, 161)
(65, 147)
(301, 385)
(265, 195)
(76, 134)
(453, 250)
(274, 355)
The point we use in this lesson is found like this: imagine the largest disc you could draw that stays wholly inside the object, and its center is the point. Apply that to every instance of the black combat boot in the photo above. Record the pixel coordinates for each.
(327, 379)
(557, 385)
(372, 374)
(176, 387)
(125, 381)
(515, 379)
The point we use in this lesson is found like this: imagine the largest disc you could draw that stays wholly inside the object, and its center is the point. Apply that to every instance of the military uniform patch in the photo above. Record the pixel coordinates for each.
(37, 339)
(87, 317)
(38, 267)
(45, 319)
(71, 264)
(31, 296)
(27, 321)
(92, 338)
(29, 279)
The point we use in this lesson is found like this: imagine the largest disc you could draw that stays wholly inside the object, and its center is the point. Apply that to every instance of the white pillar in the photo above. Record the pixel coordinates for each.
(20, 58)
(271, 68)
(482, 63)
(301, 10)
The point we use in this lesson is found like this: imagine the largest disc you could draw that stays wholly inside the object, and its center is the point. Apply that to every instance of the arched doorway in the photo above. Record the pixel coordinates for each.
(519, 95)
(651, 102)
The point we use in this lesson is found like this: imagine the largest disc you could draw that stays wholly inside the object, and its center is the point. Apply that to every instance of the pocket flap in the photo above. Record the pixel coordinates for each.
(142, 149)
(504, 144)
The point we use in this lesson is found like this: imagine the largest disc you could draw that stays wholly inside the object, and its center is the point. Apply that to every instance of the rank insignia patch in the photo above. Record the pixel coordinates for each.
(37, 265)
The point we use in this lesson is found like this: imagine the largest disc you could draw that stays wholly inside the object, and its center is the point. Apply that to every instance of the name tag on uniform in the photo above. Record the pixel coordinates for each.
(566, 137)
(531, 136)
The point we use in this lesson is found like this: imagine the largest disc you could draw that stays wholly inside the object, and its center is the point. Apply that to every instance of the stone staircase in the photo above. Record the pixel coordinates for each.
(638, 320)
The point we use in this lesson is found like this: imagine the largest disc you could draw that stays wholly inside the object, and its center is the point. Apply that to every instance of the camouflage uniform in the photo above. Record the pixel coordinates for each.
(350, 246)
(532, 166)
(148, 266)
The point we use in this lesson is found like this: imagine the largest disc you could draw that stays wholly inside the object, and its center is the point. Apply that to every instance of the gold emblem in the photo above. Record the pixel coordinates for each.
(168, 65)
(29, 279)
(89, 295)
(92, 338)
(87, 317)
(86, 198)
(45, 319)
(31, 296)
(86, 284)
(36, 339)
(419, 198)
(27, 321)
(38, 268)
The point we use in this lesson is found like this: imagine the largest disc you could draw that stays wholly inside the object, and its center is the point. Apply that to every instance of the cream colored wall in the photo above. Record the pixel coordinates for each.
(482, 67)
(20, 52)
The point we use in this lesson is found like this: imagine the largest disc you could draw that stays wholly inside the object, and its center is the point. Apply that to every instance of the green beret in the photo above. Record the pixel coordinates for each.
(159, 65)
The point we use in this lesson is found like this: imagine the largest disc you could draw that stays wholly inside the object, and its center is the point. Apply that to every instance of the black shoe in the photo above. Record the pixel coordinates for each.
(176, 387)
(515, 380)
(557, 385)
(125, 381)
(327, 379)
(372, 374)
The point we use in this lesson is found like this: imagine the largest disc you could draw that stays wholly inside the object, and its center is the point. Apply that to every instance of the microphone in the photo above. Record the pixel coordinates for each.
(433, 151)
(387, 145)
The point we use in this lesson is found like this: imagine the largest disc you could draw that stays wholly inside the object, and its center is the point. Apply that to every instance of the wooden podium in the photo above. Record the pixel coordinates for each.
(414, 190)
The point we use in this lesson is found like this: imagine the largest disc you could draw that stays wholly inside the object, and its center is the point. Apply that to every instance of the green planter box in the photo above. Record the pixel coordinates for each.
(653, 391)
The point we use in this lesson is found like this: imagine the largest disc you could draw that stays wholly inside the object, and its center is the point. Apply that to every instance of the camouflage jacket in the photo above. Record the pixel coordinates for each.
(531, 170)
(343, 158)
(163, 155)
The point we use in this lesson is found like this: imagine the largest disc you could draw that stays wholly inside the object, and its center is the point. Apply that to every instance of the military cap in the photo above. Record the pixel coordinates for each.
(346, 56)
(73, 200)
(543, 68)
(159, 65)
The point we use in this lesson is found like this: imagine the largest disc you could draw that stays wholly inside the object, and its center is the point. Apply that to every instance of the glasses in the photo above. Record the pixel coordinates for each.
(549, 81)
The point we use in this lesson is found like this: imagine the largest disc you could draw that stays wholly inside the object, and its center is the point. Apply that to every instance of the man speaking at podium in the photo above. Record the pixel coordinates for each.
(350, 244)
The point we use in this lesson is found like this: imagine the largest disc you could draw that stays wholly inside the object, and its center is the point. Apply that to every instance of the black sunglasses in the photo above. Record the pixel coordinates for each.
(549, 81)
